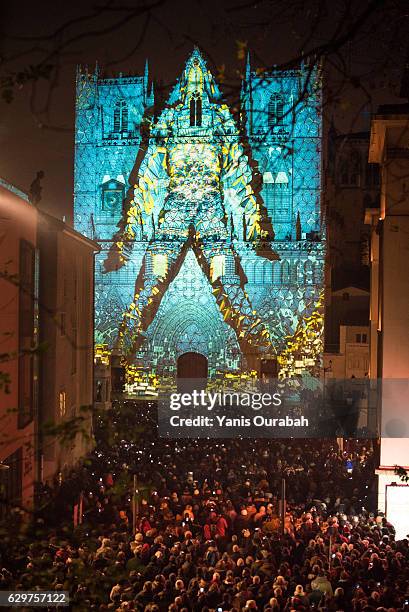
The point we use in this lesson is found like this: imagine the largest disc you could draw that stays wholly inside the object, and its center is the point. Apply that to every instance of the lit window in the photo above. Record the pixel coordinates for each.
(62, 404)
(160, 264)
(217, 268)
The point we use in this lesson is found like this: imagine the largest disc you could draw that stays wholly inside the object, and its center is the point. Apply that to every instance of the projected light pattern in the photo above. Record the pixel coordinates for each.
(217, 248)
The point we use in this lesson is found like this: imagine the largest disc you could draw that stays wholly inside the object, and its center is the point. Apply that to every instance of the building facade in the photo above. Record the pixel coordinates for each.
(66, 328)
(351, 186)
(352, 359)
(46, 325)
(19, 275)
(347, 305)
(210, 227)
(389, 299)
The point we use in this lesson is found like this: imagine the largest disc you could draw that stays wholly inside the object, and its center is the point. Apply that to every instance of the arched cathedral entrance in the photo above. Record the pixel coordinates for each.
(192, 365)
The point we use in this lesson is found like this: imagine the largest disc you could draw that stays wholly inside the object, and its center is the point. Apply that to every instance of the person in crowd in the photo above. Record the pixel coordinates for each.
(208, 535)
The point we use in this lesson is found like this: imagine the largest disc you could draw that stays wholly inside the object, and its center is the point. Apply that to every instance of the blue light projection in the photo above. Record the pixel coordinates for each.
(210, 231)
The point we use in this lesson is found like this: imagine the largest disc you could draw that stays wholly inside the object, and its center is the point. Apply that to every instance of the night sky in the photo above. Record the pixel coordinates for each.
(36, 126)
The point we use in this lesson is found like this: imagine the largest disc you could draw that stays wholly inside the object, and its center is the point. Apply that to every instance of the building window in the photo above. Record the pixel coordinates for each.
(160, 264)
(259, 272)
(282, 201)
(345, 296)
(268, 272)
(285, 273)
(275, 272)
(308, 272)
(275, 110)
(217, 267)
(350, 169)
(278, 197)
(27, 289)
(121, 116)
(294, 274)
(62, 404)
(195, 108)
(249, 271)
(356, 169)
(343, 171)
(317, 274)
(360, 338)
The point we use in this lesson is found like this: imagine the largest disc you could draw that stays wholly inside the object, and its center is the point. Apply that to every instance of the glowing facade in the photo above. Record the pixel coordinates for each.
(210, 228)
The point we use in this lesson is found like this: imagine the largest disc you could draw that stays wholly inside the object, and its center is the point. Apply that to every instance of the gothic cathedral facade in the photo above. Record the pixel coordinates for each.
(209, 223)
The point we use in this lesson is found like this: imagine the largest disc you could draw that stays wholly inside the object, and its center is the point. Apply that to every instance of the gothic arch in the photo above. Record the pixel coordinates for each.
(276, 272)
(259, 272)
(169, 330)
(294, 273)
(285, 272)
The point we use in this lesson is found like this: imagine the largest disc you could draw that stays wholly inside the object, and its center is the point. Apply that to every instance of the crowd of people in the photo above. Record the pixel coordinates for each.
(208, 533)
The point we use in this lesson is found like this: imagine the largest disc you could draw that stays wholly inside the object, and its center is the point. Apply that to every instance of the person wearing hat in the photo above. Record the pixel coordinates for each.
(299, 598)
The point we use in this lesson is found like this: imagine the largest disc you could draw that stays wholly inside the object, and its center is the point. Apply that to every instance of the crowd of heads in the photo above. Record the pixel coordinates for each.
(180, 525)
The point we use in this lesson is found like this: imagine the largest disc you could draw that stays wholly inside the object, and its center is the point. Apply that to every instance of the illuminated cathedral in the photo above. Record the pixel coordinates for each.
(209, 223)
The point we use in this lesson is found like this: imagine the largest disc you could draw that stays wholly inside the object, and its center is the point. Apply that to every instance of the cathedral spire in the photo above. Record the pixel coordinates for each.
(146, 78)
(151, 98)
(247, 74)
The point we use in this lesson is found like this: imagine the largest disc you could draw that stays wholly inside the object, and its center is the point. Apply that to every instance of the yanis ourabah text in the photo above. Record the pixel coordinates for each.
(223, 421)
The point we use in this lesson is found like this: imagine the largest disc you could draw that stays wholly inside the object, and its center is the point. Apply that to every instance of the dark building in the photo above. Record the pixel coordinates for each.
(351, 186)
(46, 330)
